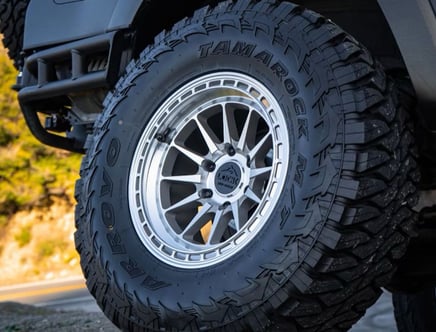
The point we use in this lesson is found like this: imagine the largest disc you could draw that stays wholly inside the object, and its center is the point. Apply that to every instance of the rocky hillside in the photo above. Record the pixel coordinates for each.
(36, 197)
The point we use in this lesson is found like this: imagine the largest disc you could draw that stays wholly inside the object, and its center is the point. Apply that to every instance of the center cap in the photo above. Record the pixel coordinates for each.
(228, 178)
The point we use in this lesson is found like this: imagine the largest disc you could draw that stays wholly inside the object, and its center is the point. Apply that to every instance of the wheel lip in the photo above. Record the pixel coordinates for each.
(147, 232)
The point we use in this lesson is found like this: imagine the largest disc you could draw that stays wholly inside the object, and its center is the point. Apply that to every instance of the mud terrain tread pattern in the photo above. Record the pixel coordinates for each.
(12, 16)
(350, 254)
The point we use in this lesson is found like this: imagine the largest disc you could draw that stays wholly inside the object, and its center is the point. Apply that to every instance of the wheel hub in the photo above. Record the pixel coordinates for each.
(228, 178)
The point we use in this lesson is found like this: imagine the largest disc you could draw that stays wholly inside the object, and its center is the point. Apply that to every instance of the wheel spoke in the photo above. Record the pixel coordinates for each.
(226, 127)
(207, 136)
(253, 153)
(219, 226)
(245, 132)
(187, 200)
(197, 222)
(259, 171)
(196, 158)
(252, 195)
(194, 178)
(236, 216)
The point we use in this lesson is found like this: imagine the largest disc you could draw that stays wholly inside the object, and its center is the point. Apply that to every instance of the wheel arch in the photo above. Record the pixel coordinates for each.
(353, 16)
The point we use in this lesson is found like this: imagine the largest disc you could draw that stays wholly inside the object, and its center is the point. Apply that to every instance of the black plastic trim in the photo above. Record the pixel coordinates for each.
(41, 85)
(54, 89)
(40, 68)
(46, 137)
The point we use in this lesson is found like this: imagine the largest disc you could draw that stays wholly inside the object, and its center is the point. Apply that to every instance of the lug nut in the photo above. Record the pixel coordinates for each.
(230, 150)
(206, 193)
(208, 165)
(224, 206)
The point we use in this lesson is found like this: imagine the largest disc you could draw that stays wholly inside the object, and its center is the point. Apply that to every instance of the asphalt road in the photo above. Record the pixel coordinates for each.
(72, 295)
(68, 294)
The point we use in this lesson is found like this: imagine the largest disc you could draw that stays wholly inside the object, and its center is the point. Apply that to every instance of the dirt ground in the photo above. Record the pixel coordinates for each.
(20, 317)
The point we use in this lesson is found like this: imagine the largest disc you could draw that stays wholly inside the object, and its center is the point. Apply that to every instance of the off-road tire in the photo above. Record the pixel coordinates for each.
(415, 312)
(342, 219)
(12, 17)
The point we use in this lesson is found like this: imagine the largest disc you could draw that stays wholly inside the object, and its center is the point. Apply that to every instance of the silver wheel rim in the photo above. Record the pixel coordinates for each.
(208, 170)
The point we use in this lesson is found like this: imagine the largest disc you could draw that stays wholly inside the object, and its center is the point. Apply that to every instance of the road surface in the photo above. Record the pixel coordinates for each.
(72, 295)
(67, 294)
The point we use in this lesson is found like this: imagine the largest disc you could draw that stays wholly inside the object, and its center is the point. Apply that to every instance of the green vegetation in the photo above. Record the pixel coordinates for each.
(30, 174)
(47, 248)
(36, 197)
(24, 236)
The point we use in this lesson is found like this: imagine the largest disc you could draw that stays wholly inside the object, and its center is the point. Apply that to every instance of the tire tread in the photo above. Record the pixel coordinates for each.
(368, 224)
(12, 16)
